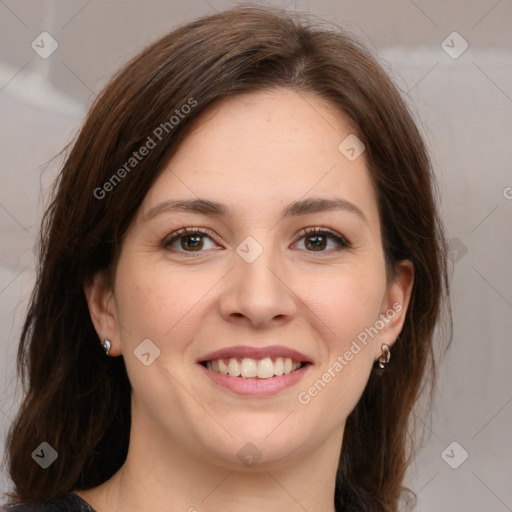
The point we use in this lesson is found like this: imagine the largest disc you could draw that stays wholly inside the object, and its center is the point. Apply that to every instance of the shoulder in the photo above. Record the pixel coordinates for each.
(70, 502)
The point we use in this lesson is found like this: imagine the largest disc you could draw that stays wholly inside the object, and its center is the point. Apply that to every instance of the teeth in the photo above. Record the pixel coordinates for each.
(265, 368)
(234, 367)
(223, 368)
(250, 368)
(279, 366)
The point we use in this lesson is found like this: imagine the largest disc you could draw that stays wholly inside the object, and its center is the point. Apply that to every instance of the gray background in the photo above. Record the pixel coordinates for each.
(464, 106)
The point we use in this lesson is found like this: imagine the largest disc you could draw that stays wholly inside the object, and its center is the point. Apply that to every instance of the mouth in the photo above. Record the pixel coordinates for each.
(250, 371)
(249, 368)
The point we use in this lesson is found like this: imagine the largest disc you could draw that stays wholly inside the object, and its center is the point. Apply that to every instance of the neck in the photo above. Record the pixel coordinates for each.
(163, 476)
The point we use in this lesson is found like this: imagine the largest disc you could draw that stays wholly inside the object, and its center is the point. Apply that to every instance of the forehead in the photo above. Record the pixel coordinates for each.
(267, 148)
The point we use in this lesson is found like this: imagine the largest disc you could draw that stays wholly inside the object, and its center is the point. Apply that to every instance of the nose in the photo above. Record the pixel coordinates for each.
(258, 293)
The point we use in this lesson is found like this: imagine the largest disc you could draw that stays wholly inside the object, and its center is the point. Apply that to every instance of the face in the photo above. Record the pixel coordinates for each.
(282, 259)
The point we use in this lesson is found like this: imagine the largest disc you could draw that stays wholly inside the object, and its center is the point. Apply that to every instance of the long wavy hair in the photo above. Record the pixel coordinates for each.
(78, 400)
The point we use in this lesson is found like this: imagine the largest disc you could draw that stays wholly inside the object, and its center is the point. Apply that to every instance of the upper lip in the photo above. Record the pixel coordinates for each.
(242, 351)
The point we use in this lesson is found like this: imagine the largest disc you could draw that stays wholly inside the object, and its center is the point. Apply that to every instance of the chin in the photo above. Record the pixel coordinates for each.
(257, 444)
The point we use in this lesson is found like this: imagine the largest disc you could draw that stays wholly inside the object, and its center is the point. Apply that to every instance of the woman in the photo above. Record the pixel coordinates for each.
(241, 273)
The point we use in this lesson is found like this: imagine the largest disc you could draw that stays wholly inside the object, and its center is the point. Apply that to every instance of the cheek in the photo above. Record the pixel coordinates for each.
(347, 306)
(152, 302)
(348, 302)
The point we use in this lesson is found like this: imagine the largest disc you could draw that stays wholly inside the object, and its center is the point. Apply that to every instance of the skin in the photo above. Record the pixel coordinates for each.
(256, 153)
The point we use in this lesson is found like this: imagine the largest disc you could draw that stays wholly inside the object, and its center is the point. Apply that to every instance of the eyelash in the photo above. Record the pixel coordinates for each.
(339, 239)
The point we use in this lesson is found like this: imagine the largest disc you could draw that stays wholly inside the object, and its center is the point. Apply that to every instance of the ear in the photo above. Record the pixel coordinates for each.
(100, 300)
(394, 305)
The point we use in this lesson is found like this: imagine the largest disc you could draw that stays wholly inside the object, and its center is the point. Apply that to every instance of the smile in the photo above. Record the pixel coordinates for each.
(247, 367)
(255, 371)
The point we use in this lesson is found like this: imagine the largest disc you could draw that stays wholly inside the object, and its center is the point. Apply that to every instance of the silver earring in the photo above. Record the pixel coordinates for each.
(105, 342)
(385, 357)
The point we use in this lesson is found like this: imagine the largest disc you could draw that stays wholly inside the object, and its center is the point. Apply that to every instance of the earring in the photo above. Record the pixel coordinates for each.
(385, 357)
(105, 342)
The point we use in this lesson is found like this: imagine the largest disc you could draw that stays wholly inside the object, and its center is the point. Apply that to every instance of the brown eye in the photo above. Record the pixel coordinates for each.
(316, 242)
(192, 242)
(189, 240)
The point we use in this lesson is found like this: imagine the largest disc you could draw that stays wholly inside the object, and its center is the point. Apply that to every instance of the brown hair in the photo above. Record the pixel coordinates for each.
(77, 399)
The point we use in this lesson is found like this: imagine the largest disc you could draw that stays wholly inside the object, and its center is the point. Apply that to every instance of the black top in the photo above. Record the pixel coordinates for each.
(70, 502)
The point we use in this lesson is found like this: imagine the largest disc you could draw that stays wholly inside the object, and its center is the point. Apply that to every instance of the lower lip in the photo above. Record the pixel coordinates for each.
(254, 386)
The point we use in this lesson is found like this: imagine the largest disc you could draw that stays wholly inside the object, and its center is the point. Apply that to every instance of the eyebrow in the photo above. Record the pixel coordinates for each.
(295, 209)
